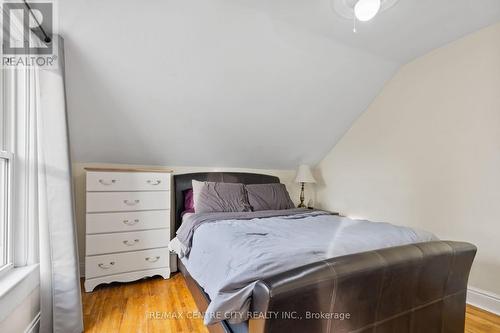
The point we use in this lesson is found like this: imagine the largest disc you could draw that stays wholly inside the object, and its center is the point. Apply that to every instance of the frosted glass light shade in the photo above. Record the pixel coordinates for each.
(365, 10)
(304, 175)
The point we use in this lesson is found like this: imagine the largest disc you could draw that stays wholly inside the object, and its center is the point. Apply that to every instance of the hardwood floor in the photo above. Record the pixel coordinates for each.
(478, 320)
(127, 307)
(143, 306)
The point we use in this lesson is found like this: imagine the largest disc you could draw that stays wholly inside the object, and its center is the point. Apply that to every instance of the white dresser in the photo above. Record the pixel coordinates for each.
(128, 225)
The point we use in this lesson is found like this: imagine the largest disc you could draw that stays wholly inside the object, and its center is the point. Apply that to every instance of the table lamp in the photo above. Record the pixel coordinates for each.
(304, 175)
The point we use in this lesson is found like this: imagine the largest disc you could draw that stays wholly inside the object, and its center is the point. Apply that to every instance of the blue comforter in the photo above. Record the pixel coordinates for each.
(227, 257)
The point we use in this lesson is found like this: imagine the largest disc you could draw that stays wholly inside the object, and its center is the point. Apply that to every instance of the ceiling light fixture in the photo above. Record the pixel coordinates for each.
(361, 10)
(365, 10)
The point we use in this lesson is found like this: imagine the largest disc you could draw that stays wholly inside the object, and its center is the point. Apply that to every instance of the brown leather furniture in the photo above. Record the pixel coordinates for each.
(418, 288)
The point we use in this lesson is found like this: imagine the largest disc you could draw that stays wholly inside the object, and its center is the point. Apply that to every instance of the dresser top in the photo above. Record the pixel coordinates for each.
(103, 169)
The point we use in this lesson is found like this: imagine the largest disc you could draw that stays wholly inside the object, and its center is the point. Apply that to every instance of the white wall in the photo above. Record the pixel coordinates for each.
(25, 317)
(287, 177)
(427, 152)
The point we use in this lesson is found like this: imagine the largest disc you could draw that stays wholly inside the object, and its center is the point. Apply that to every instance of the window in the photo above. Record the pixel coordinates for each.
(5, 182)
(4, 204)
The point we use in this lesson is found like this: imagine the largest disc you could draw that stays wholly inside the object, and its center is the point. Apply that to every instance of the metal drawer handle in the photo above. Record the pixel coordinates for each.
(104, 266)
(103, 182)
(128, 222)
(130, 243)
(153, 259)
(131, 202)
(154, 182)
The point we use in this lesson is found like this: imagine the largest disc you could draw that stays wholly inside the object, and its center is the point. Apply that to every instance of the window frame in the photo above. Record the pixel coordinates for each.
(7, 204)
(7, 155)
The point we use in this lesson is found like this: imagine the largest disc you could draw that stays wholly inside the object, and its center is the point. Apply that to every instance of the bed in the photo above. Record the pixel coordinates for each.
(419, 285)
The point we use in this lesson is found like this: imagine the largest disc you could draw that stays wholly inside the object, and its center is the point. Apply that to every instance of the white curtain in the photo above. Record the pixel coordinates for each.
(61, 308)
(44, 193)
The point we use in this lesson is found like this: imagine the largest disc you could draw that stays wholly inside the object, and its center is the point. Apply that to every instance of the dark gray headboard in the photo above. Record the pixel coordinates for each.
(183, 182)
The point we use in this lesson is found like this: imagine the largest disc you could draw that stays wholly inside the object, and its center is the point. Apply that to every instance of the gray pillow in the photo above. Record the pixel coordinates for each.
(268, 197)
(211, 197)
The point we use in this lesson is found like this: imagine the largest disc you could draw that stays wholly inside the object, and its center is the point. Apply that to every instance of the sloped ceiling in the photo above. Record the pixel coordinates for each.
(236, 83)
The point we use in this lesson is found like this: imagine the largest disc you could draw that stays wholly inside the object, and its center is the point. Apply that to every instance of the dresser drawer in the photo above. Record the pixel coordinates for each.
(126, 241)
(127, 201)
(129, 221)
(128, 181)
(126, 262)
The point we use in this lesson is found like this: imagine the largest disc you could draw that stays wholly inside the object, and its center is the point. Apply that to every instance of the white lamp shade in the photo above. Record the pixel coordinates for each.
(304, 175)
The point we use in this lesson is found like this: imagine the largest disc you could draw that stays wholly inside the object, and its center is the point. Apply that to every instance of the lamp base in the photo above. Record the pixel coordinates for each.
(301, 204)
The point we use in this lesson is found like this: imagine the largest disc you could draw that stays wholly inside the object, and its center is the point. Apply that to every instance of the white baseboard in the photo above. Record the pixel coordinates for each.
(34, 326)
(484, 299)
